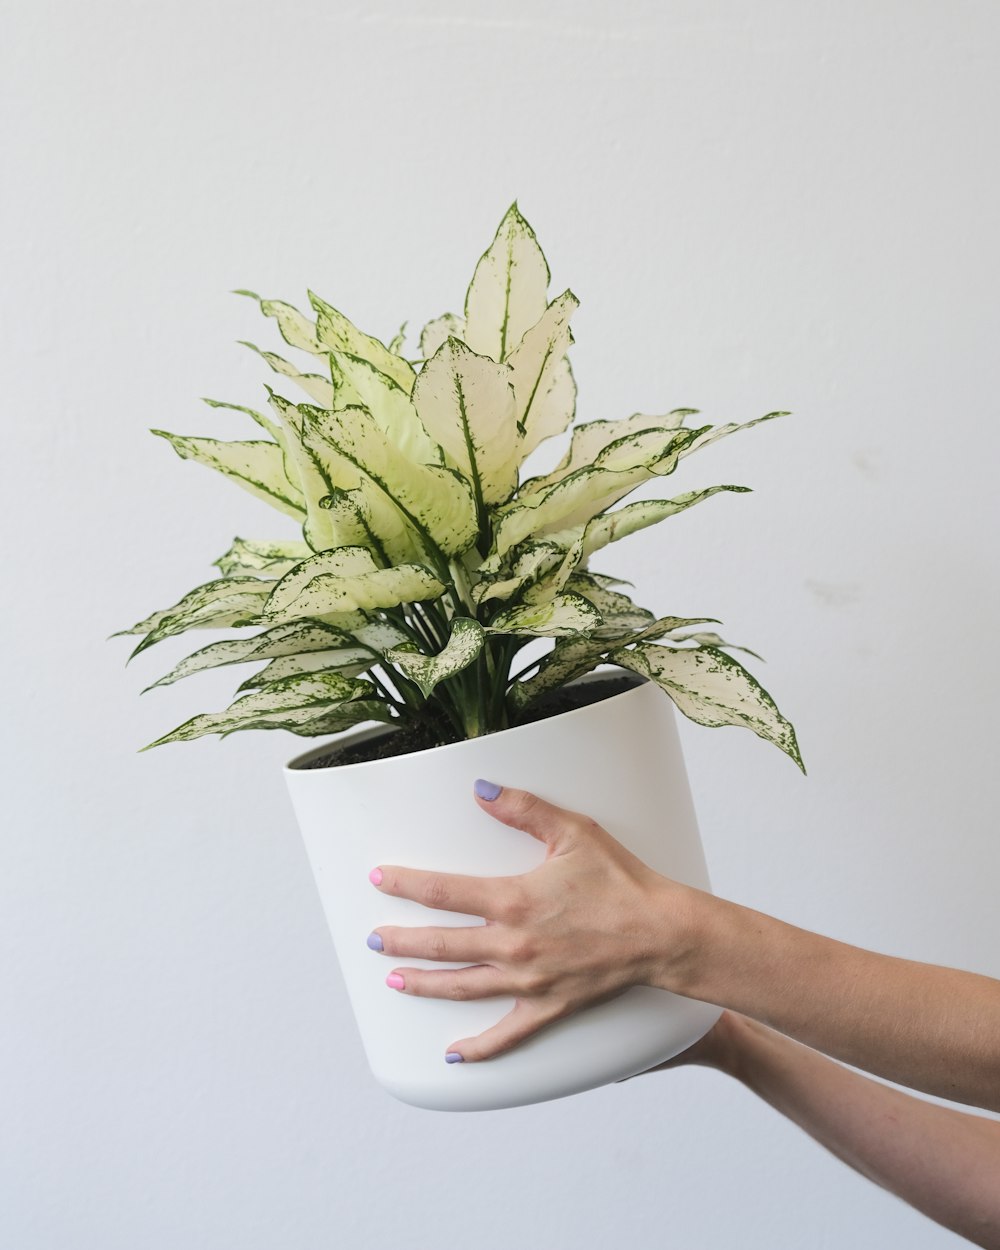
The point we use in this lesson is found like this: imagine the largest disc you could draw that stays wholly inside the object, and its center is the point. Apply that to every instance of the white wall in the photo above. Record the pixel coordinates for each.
(785, 204)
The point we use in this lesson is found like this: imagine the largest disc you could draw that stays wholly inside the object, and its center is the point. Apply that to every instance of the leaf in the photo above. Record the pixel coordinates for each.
(565, 615)
(712, 433)
(571, 658)
(618, 613)
(258, 467)
(295, 327)
(360, 384)
(532, 561)
(344, 580)
(336, 332)
(436, 500)
(297, 638)
(463, 646)
(713, 689)
(263, 421)
(507, 295)
(587, 492)
(398, 339)
(272, 559)
(592, 437)
(289, 704)
(348, 662)
(221, 604)
(541, 377)
(466, 404)
(435, 332)
(318, 388)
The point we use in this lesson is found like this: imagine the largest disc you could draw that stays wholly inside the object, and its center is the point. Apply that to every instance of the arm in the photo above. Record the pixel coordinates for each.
(593, 920)
(946, 1163)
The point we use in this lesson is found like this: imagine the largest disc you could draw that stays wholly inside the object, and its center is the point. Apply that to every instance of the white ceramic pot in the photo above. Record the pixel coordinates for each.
(618, 761)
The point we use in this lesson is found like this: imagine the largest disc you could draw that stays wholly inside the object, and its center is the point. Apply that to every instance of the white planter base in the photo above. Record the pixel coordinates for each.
(618, 761)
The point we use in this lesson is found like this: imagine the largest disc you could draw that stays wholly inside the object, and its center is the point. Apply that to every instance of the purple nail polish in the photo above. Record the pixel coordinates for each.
(454, 1057)
(487, 789)
(375, 942)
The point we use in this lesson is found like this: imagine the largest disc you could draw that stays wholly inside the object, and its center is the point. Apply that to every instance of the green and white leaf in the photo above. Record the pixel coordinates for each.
(619, 614)
(398, 339)
(345, 580)
(437, 332)
(465, 403)
(205, 596)
(589, 491)
(591, 438)
(339, 334)
(713, 689)
(261, 559)
(712, 433)
(564, 616)
(297, 638)
(357, 712)
(294, 701)
(359, 384)
(532, 561)
(464, 644)
(295, 327)
(435, 499)
(507, 295)
(259, 467)
(260, 418)
(570, 658)
(543, 382)
(318, 388)
(348, 662)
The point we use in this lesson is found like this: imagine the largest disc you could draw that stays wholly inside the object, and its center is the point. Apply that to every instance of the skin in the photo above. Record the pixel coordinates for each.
(593, 920)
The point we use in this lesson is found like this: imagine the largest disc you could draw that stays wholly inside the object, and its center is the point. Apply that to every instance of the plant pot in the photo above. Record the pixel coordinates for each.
(617, 760)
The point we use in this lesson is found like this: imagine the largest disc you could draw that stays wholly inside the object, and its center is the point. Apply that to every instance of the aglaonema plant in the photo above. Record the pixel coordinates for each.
(427, 562)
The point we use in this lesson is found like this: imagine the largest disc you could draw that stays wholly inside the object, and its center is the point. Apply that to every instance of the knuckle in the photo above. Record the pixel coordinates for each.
(521, 949)
(435, 892)
(437, 945)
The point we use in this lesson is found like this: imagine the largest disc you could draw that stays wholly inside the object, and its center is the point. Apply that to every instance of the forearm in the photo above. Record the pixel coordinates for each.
(892, 1017)
(944, 1162)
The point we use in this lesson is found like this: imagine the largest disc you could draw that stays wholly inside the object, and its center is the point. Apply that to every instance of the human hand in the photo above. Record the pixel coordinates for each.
(591, 921)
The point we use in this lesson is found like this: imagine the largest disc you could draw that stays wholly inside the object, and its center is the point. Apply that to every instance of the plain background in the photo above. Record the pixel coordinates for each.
(790, 204)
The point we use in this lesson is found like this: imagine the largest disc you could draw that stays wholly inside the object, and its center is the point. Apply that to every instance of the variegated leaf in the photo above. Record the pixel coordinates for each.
(712, 433)
(533, 560)
(619, 614)
(436, 332)
(205, 608)
(259, 467)
(507, 295)
(435, 499)
(295, 327)
(713, 689)
(298, 638)
(360, 384)
(348, 662)
(398, 339)
(295, 701)
(569, 659)
(543, 382)
(587, 492)
(347, 580)
(261, 419)
(204, 596)
(318, 388)
(591, 438)
(708, 639)
(565, 616)
(463, 646)
(465, 403)
(357, 712)
(336, 332)
(267, 559)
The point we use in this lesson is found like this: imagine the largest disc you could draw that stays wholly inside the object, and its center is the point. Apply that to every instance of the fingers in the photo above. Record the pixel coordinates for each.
(457, 984)
(472, 896)
(555, 826)
(475, 945)
(522, 1022)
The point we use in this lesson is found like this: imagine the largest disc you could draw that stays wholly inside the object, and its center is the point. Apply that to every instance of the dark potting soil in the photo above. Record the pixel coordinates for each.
(438, 731)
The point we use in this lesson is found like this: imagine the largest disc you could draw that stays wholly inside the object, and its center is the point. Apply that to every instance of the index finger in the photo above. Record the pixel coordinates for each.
(472, 896)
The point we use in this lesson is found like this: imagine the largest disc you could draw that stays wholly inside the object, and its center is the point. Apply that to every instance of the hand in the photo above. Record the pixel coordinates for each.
(583, 927)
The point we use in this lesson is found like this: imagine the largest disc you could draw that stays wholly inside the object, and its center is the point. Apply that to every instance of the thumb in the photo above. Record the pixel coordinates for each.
(555, 826)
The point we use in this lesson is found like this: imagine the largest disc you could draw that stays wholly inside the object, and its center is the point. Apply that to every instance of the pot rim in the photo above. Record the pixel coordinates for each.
(295, 765)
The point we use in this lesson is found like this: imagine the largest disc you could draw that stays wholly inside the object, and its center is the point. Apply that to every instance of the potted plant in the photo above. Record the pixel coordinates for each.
(426, 564)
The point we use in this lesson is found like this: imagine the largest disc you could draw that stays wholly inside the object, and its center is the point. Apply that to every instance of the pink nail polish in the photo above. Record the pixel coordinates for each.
(375, 876)
(395, 981)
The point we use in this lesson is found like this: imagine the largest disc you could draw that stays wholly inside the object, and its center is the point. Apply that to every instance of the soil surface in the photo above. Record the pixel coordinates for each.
(436, 732)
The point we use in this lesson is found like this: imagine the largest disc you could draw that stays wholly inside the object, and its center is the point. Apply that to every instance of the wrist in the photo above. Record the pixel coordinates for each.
(688, 927)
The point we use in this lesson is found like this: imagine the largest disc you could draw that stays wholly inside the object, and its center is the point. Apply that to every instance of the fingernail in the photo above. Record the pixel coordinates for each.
(395, 981)
(375, 942)
(487, 789)
(454, 1057)
(375, 876)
